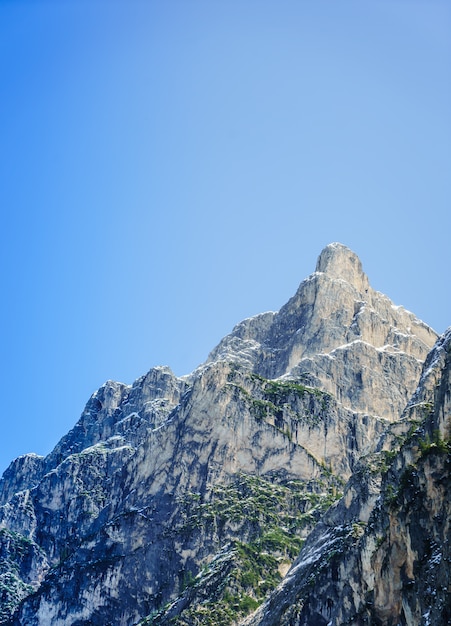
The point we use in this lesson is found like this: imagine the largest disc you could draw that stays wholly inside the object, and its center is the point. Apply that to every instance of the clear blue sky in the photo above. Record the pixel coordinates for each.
(170, 168)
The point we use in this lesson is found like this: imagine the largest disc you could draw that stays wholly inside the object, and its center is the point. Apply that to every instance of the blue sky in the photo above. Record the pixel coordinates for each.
(170, 168)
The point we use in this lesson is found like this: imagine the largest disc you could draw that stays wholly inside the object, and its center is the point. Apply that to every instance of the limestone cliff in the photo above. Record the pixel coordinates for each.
(382, 555)
(351, 340)
(186, 500)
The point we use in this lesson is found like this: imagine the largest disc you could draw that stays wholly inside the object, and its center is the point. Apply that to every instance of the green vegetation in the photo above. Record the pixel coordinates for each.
(18, 544)
(14, 550)
(257, 523)
(283, 392)
(293, 505)
(262, 409)
(12, 591)
(407, 480)
(277, 402)
(262, 522)
(434, 445)
(427, 446)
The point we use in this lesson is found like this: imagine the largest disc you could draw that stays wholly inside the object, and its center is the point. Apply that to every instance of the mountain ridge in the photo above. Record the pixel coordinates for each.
(206, 483)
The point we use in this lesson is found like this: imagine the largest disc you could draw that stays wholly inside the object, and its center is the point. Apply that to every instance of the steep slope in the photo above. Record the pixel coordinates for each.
(381, 555)
(351, 340)
(185, 500)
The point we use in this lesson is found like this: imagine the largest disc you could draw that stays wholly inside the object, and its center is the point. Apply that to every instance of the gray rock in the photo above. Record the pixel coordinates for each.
(381, 555)
(183, 500)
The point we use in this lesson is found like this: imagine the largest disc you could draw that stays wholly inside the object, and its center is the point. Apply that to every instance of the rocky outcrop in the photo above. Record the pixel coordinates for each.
(351, 339)
(23, 472)
(23, 565)
(170, 501)
(381, 555)
(186, 500)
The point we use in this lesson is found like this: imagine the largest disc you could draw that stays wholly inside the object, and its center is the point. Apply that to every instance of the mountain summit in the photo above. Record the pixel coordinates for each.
(336, 318)
(187, 501)
(338, 261)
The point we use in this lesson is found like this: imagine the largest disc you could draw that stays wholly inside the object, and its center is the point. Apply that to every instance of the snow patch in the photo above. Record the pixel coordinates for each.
(327, 540)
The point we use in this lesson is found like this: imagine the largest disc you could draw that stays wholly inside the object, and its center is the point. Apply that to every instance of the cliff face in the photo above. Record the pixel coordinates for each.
(350, 339)
(381, 556)
(186, 500)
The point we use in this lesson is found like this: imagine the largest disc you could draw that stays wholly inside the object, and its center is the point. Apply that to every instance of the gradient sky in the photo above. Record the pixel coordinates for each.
(170, 168)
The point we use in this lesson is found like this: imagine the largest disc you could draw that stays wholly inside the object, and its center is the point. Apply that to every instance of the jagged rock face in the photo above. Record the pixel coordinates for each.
(351, 338)
(24, 471)
(118, 413)
(381, 556)
(23, 565)
(164, 503)
(199, 491)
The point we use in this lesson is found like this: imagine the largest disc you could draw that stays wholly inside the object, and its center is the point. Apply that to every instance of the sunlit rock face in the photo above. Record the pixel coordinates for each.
(381, 555)
(351, 339)
(187, 500)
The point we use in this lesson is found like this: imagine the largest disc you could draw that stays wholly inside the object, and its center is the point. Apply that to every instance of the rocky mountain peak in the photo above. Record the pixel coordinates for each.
(340, 332)
(180, 501)
(338, 261)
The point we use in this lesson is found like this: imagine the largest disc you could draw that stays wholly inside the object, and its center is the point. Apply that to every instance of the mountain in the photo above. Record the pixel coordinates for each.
(266, 487)
(381, 555)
